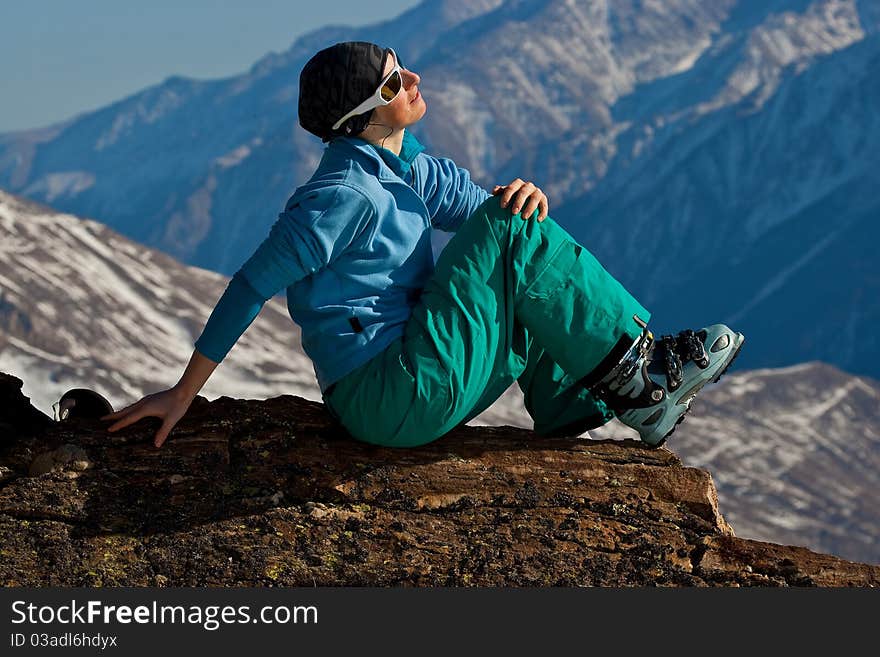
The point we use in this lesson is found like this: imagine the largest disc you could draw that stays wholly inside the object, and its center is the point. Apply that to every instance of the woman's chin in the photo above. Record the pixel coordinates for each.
(414, 121)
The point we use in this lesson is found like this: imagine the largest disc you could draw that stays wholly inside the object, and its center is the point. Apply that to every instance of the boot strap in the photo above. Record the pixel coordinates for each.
(678, 350)
(673, 364)
(634, 364)
(691, 347)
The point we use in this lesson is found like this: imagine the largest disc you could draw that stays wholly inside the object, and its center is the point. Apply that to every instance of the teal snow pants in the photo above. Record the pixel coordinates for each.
(509, 300)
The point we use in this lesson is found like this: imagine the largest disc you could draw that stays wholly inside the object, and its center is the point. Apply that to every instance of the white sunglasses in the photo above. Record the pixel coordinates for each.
(387, 91)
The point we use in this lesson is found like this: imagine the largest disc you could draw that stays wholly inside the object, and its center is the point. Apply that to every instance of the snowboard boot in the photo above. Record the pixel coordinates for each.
(651, 388)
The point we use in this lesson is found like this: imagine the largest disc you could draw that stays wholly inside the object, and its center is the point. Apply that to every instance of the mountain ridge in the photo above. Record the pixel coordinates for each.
(672, 139)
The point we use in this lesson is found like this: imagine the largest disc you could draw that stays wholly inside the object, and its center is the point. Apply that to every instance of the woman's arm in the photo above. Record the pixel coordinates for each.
(168, 405)
(451, 196)
(449, 193)
(197, 372)
(235, 311)
(314, 229)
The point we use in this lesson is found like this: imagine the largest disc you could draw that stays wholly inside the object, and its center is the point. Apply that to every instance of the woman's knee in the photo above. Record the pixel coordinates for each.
(492, 210)
(503, 221)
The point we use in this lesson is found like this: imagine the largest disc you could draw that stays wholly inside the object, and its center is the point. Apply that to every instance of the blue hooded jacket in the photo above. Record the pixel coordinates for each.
(353, 249)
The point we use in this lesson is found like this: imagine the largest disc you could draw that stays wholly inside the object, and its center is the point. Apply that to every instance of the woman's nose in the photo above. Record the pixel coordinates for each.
(413, 77)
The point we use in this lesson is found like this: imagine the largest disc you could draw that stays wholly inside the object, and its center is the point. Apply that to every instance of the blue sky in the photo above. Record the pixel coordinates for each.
(62, 57)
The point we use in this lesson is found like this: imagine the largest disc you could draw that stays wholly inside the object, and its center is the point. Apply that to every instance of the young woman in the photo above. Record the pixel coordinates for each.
(404, 350)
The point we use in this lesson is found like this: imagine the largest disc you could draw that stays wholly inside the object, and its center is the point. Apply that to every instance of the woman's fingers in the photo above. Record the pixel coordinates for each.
(536, 200)
(162, 433)
(529, 208)
(545, 208)
(130, 415)
(122, 411)
(114, 427)
(165, 405)
(522, 196)
(510, 190)
(131, 418)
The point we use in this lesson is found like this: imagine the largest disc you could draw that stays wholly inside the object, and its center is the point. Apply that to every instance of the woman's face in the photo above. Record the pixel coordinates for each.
(408, 107)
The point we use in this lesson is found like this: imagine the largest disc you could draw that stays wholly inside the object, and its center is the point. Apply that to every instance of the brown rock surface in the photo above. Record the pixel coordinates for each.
(274, 493)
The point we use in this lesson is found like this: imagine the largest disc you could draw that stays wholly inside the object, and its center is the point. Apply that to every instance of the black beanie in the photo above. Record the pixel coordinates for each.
(334, 82)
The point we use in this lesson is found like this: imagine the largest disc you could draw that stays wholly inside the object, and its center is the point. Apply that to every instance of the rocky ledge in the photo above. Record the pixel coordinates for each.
(274, 492)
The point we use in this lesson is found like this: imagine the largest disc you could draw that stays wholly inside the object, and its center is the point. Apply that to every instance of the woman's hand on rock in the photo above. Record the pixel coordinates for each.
(169, 405)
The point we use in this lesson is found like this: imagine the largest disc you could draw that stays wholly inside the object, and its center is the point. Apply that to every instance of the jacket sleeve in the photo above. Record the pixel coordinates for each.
(450, 194)
(237, 308)
(315, 228)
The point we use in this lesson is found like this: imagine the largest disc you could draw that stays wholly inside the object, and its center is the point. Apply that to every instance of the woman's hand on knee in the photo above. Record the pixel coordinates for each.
(525, 196)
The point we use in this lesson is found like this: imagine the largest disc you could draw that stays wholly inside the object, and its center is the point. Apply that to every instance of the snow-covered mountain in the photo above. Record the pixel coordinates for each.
(720, 157)
(189, 166)
(83, 306)
(199, 168)
(795, 452)
(762, 218)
